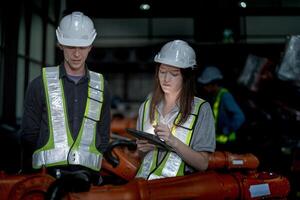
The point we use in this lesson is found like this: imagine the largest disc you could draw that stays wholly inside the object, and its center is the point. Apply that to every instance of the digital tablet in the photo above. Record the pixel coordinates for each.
(153, 139)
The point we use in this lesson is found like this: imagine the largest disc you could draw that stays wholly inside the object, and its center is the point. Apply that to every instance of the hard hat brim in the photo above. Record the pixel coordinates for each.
(208, 81)
(171, 63)
(75, 42)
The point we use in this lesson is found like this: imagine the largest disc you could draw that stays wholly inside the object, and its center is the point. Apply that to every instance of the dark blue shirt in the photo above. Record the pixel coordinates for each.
(230, 117)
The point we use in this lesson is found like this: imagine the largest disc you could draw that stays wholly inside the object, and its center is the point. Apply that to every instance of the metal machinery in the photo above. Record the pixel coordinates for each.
(230, 176)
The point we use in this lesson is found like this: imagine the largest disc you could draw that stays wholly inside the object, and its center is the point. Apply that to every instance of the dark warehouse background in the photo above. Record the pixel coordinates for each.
(230, 34)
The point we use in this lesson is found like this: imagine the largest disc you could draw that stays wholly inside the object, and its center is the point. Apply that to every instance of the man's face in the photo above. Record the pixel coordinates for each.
(210, 88)
(75, 57)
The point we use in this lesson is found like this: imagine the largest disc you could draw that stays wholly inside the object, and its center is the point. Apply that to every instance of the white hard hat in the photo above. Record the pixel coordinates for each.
(76, 29)
(210, 74)
(177, 53)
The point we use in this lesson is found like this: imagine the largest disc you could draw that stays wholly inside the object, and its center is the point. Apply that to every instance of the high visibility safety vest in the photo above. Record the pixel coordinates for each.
(60, 148)
(220, 137)
(171, 165)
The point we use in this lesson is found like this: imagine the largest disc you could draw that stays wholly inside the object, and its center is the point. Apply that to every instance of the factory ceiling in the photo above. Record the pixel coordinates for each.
(182, 8)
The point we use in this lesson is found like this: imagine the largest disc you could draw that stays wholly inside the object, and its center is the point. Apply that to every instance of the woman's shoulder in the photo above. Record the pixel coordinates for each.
(203, 104)
(199, 100)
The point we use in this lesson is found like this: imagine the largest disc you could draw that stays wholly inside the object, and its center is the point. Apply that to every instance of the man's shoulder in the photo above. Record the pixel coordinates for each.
(227, 95)
(35, 85)
(36, 81)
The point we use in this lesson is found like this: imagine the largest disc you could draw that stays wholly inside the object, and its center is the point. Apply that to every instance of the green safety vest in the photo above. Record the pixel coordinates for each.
(171, 165)
(220, 137)
(60, 148)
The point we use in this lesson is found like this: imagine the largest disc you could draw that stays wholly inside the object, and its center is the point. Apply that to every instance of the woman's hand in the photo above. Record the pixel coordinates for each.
(164, 133)
(143, 146)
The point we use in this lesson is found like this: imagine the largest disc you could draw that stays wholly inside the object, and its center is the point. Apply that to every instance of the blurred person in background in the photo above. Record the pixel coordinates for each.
(228, 115)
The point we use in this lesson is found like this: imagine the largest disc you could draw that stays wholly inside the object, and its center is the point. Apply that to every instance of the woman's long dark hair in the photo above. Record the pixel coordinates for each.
(186, 95)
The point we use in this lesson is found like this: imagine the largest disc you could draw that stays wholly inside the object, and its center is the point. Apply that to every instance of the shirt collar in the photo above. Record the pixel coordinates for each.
(159, 107)
(63, 72)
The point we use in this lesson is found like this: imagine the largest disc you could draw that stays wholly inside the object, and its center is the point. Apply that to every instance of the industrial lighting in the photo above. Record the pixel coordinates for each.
(145, 6)
(243, 4)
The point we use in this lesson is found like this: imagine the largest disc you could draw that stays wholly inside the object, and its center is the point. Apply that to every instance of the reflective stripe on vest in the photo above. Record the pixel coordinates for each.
(172, 165)
(58, 149)
(151, 157)
(223, 139)
(220, 137)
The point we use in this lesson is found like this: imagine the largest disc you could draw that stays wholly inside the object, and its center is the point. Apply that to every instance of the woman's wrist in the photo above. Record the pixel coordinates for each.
(174, 142)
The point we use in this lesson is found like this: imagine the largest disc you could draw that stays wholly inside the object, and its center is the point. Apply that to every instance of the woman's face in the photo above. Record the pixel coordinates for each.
(170, 79)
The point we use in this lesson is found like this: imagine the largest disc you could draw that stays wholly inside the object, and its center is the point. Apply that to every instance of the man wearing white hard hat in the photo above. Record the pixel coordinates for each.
(66, 118)
(228, 115)
(172, 112)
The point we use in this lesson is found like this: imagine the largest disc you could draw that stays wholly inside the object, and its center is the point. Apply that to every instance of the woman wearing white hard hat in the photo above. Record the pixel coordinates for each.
(66, 120)
(172, 112)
